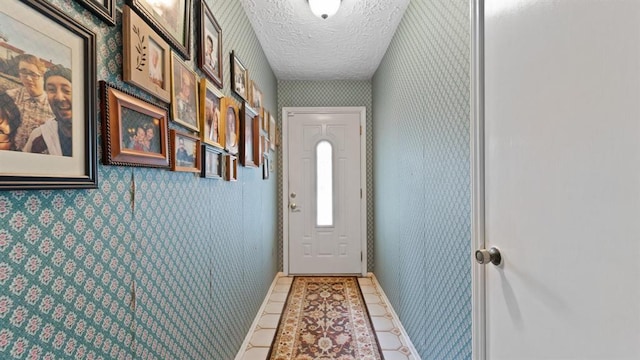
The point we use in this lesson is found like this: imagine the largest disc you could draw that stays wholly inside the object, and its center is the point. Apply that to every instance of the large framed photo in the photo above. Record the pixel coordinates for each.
(210, 49)
(185, 152)
(184, 87)
(232, 124)
(212, 162)
(134, 131)
(211, 121)
(47, 99)
(172, 19)
(248, 123)
(239, 78)
(147, 57)
(105, 9)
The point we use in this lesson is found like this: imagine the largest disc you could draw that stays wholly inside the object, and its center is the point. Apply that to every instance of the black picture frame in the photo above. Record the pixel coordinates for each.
(212, 162)
(76, 165)
(239, 78)
(182, 44)
(104, 9)
(209, 22)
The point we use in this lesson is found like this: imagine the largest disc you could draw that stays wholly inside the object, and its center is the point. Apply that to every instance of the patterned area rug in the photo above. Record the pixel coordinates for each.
(325, 318)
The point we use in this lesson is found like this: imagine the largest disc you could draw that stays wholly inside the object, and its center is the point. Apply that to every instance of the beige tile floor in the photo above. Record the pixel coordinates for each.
(394, 341)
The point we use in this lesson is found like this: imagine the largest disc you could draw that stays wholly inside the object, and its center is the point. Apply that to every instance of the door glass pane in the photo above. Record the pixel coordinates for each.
(324, 181)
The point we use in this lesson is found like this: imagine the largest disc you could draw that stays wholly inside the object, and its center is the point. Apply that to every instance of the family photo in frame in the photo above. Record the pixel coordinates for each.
(47, 99)
(184, 87)
(212, 122)
(134, 131)
(185, 154)
(171, 19)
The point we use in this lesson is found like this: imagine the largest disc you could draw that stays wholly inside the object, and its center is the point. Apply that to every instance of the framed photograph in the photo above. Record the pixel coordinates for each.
(185, 152)
(256, 97)
(134, 131)
(49, 143)
(184, 87)
(265, 145)
(172, 19)
(231, 167)
(231, 120)
(147, 56)
(248, 120)
(211, 123)
(210, 49)
(272, 132)
(239, 78)
(264, 121)
(265, 167)
(212, 162)
(105, 9)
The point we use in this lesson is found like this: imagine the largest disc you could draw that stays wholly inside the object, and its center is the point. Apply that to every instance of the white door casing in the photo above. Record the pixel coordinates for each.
(309, 248)
(556, 179)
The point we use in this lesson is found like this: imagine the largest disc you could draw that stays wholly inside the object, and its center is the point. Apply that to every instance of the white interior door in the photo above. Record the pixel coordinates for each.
(561, 179)
(323, 204)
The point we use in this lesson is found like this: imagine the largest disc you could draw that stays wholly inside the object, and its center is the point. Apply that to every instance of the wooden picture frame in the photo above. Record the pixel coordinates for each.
(239, 78)
(171, 19)
(185, 152)
(210, 49)
(265, 167)
(52, 147)
(134, 132)
(211, 121)
(265, 121)
(273, 136)
(104, 9)
(212, 162)
(231, 168)
(231, 114)
(184, 94)
(256, 97)
(147, 57)
(248, 120)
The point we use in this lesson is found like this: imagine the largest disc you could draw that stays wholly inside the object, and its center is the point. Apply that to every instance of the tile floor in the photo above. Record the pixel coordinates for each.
(393, 339)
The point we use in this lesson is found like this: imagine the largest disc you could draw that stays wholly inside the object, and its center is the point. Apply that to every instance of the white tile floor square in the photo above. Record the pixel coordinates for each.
(392, 337)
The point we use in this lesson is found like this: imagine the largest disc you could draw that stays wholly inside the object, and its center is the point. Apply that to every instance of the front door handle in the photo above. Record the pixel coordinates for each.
(294, 207)
(492, 255)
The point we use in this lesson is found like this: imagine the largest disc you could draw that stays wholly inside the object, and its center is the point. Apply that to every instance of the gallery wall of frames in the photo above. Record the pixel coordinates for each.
(137, 184)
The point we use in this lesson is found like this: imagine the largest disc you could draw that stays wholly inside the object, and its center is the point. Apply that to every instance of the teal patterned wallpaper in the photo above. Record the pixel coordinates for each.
(422, 177)
(330, 93)
(199, 253)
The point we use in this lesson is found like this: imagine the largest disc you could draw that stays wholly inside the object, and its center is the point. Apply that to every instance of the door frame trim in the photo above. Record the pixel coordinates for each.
(362, 112)
(478, 279)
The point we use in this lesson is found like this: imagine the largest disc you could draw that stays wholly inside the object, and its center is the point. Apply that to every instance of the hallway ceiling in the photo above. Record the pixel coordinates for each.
(346, 46)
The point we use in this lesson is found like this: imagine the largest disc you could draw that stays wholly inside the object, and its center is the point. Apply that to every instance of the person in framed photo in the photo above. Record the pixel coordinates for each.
(212, 123)
(155, 66)
(9, 122)
(240, 85)
(151, 142)
(54, 136)
(183, 157)
(30, 98)
(211, 52)
(186, 99)
(232, 137)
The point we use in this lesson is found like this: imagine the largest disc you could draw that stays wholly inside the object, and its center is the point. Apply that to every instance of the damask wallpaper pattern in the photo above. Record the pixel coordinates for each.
(422, 177)
(153, 264)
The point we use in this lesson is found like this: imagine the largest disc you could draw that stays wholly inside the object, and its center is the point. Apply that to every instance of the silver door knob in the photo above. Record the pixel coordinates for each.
(293, 206)
(492, 255)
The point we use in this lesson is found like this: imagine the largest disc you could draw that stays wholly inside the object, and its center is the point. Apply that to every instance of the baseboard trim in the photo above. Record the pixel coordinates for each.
(384, 297)
(247, 339)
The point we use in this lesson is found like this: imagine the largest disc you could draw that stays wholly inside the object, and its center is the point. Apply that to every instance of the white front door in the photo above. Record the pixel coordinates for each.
(323, 198)
(561, 180)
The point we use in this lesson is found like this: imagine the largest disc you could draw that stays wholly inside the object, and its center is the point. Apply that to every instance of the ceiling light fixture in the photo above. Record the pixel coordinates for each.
(324, 8)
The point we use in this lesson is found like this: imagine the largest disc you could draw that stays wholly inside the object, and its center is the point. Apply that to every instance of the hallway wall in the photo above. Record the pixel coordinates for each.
(330, 93)
(422, 177)
(201, 253)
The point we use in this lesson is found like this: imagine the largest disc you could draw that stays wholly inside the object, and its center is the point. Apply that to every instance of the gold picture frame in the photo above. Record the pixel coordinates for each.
(229, 110)
(147, 57)
(212, 122)
(185, 152)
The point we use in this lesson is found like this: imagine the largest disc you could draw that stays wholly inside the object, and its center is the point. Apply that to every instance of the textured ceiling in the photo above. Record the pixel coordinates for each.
(347, 46)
